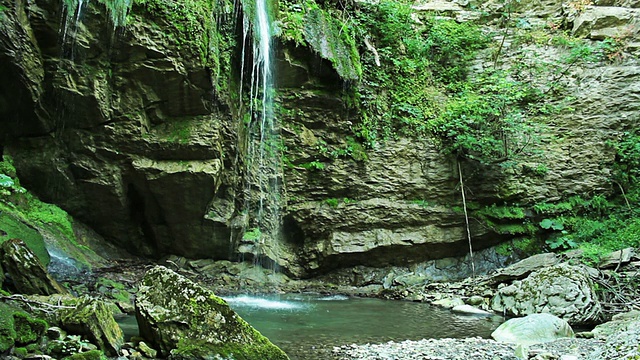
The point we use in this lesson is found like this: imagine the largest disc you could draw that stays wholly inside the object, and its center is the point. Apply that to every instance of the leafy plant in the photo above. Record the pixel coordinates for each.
(333, 202)
(561, 243)
(6, 181)
(252, 235)
(549, 224)
(313, 165)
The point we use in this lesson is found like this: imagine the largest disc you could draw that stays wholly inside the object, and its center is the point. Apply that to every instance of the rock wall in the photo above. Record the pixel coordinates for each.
(133, 128)
(119, 125)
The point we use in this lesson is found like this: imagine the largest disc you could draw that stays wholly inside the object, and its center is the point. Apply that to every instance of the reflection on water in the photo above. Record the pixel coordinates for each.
(302, 323)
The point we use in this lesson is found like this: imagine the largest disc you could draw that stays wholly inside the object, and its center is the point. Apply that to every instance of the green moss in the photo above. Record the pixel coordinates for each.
(259, 350)
(20, 352)
(521, 247)
(28, 329)
(502, 212)
(110, 283)
(118, 10)
(15, 229)
(200, 28)
(87, 355)
(7, 331)
(326, 33)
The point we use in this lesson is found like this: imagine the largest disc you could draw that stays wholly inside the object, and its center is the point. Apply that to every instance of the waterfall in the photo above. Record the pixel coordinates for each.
(263, 170)
(69, 25)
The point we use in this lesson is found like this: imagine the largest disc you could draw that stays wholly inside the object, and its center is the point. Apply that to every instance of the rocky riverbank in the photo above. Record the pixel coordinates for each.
(472, 348)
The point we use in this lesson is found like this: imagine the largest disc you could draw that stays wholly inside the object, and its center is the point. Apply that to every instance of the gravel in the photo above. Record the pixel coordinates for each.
(469, 348)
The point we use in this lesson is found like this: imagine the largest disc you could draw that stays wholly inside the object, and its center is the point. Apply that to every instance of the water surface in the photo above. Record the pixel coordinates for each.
(308, 326)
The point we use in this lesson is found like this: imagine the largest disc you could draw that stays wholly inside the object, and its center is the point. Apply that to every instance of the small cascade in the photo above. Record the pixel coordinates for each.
(263, 165)
(72, 11)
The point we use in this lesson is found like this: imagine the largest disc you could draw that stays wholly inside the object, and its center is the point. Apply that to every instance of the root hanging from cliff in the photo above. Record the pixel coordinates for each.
(466, 219)
(373, 50)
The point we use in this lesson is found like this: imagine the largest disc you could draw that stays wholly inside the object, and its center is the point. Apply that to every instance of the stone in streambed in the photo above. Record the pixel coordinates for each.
(470, 310)
(183, 320)
(533, 329)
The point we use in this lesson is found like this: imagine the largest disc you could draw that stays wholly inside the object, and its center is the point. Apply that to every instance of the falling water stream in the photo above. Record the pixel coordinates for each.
(263, 160)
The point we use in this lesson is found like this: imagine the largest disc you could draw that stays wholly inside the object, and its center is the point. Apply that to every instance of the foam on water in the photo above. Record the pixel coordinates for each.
(263, 303)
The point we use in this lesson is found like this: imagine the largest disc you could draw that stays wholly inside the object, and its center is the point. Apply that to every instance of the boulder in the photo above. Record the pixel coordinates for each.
(621, 344)
(532, 329)
(27, 273)
(619, 323)
(470, 310)
(93, 318)
(523, 268)
(600, 22)
(562, 290)
(617, 258)
(183, 320)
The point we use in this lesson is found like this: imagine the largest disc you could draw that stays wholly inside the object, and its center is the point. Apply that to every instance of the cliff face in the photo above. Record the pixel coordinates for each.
(133, 128)
(119, 125)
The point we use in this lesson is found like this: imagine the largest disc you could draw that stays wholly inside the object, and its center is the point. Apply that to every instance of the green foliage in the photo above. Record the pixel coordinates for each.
(398, 96)
(313, 165)
(325, 31)
(521, 247)
(252, 235)
(489, 121)
(118, 10)
(561, 243)
(626, 169)
(501, 212)
(6, 181)
(333, 202)
(549, 224)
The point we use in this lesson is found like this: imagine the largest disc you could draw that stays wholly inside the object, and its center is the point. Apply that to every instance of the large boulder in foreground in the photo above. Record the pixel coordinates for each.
(563, 290)
(532, 329)
(186, 321)
(27, 273)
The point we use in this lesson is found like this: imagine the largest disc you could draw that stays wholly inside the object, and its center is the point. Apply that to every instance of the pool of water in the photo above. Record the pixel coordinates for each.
(308, 326)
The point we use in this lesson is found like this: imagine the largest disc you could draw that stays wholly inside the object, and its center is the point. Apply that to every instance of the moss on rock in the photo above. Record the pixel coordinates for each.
(87, 355)
(93, 318)
(13, 228)
(327, 35)
(7, 331)
(186, 321)
(28, 328)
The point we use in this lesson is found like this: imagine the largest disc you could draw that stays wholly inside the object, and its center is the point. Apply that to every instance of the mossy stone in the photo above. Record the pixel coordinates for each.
(87, 355)
(28, 275)
(7, 331)
(28, 329)
(14, 228)
(183, 320)
(20, 352)
(93, 318)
